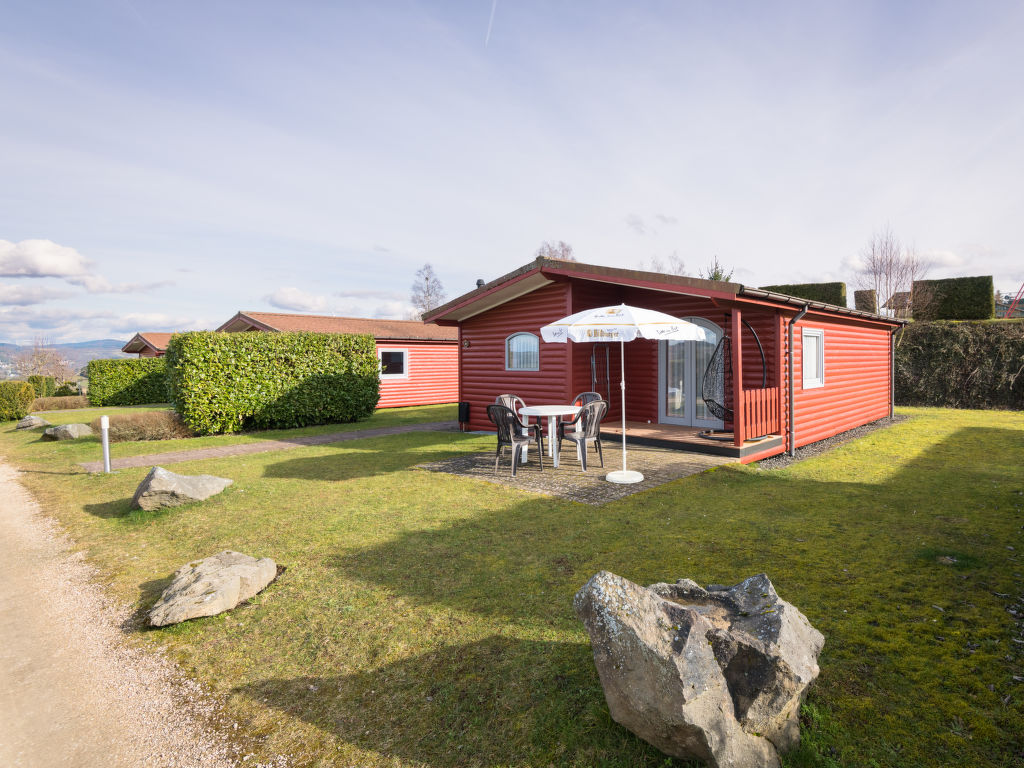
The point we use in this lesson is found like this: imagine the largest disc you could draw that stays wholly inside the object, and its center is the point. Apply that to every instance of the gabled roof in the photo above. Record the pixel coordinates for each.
(143, 341)
(544, 271)
(388, 330)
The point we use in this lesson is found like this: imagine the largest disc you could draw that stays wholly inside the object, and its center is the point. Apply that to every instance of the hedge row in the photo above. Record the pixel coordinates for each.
(15, 399)
(44, 386)
(127, 381)
(226, 382)
(961, 365)
(956, 298)
(866, 300)
(828, 293)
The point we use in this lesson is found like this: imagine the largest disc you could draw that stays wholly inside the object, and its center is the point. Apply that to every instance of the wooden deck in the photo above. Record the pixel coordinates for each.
(685, 439)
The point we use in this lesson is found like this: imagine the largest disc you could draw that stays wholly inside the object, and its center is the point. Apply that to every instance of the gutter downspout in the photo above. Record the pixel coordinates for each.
(892, 372)
(792, 422)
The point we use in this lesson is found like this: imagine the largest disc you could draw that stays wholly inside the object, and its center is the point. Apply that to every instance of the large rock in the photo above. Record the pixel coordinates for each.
(161, 488)
(67, 432)
(716, 674)
(31, 422)
(211, 586)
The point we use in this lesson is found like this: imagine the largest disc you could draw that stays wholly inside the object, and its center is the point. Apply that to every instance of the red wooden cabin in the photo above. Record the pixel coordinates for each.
(148, 344)
(419, 361)
(836, 373)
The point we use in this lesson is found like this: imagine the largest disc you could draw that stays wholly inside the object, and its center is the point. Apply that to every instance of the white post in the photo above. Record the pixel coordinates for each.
(105, 435)
(622, 386)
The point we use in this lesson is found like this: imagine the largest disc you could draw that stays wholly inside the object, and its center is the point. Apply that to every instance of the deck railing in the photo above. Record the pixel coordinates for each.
(760, 412)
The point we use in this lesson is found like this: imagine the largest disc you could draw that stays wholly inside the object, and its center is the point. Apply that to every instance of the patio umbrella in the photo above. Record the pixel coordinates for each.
(622, 323)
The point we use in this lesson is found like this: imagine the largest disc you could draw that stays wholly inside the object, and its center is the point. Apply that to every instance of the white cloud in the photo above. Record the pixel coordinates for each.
(941, 259)
(157, 321)
(296, 300)
(23, 295)
(370, 294)
(100, 284)
(636, 223)
(41, 258)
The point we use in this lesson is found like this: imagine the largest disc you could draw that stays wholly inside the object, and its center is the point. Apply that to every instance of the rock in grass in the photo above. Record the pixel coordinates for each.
(67, 432)
(31, 422)
(211, 586)
(716, 674)
(161, 488)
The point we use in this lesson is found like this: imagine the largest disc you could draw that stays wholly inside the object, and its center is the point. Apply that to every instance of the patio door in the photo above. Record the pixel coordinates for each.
(681, 366)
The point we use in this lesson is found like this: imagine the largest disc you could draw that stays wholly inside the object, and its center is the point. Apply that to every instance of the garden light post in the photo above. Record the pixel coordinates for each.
(105, 438)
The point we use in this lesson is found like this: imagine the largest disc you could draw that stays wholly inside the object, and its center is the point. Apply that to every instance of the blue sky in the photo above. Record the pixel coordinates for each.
(167, 164)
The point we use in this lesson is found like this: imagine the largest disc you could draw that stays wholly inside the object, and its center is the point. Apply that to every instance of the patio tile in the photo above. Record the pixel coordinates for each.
(658, 465)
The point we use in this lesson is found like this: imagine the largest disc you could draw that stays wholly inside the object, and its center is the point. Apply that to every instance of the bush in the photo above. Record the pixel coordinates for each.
(956, 298)
(866, 301)
(60, 403)
(226, 382)
(827, 293)
(148, 425)
(961, 365)
(67, 389)
(44, 386)
(127, 381)
(15, 399)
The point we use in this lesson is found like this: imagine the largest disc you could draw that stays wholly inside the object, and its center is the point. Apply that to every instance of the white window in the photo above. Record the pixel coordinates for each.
(394, 363)
(522, 352)
(813, 358)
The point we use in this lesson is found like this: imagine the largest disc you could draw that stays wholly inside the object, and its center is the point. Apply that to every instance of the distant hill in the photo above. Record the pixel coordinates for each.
(78, 352)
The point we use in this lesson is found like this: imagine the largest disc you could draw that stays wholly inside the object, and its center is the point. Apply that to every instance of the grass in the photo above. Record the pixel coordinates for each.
(426, 619)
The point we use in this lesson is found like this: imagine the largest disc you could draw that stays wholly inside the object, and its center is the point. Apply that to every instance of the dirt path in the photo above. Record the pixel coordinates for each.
(72, 693)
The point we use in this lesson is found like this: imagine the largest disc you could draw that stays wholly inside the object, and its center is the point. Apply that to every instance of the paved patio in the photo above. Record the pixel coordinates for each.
(658, 465)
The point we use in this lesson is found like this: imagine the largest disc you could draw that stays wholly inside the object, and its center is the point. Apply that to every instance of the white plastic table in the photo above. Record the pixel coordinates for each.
(552, 412)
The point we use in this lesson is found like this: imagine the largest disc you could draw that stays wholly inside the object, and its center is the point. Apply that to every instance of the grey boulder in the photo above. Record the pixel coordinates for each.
(211, 586)
(67, 432)
(31, 422)
(161, 488)
(716, 674)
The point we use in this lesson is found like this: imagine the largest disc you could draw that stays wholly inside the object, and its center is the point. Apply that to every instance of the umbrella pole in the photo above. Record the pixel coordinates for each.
(624, 476)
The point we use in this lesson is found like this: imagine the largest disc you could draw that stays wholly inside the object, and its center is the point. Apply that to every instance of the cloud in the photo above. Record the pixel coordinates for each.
(297, 300)
(942, 259)
(156, 321)
(371, 294)
(636, 223)
(100, 284)
(661, 218)
(23, 295)
(41, 258)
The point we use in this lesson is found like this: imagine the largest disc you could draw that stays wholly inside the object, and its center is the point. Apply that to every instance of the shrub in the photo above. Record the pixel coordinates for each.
(225, 382)
(60, 403)
(44, 386)
(67, 389)
(148, 425)
(15, 399)
(127, 381)
(866, 300)
(961, 365)
(827, 293)
(956, 298)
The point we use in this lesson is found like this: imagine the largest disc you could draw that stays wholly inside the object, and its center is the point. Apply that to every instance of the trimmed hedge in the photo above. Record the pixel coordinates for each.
(15, 399)
(127, 381)
(44, 386)
(866, 300)
(955, 298)
(961, 365)
(828, 293)
(226, 382)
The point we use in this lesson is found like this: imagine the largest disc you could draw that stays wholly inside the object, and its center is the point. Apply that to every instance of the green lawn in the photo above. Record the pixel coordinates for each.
(426, 620)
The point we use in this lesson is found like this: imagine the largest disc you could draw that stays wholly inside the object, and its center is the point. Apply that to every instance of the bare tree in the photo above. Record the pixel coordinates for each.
(672, 266)
(716, 271)
(427, 291)
(560, 250)
(41, 359)
(891, 270)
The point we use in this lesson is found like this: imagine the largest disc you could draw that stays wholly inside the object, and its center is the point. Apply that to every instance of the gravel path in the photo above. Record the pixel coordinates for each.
(72, 692)
(823, 446)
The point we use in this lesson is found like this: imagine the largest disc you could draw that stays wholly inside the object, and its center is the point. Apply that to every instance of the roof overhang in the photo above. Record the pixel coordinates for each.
(137, 344)
(241, 322)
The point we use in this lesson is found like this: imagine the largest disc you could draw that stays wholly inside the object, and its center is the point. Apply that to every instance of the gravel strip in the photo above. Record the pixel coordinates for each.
(72, 691)
(823, 446)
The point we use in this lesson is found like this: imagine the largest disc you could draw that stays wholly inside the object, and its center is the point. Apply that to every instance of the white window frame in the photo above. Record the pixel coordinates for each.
(380, 362)
(812, 383)
(514, 335)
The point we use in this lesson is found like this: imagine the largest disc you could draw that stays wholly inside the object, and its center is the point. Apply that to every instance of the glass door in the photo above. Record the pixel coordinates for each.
(681, 366)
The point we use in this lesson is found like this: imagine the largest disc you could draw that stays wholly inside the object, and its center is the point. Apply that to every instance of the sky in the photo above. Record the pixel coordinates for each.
(165, 165)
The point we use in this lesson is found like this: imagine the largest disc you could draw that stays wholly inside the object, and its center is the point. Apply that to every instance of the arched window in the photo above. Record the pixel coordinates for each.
(522, 352)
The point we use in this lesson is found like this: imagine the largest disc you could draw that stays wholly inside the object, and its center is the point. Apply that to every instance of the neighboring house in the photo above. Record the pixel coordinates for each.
(148, 344)
(840, 371)
(419, 361)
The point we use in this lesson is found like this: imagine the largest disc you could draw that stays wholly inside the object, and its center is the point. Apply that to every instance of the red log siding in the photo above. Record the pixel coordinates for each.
(857, 375)
(433, 370)
(483, 362)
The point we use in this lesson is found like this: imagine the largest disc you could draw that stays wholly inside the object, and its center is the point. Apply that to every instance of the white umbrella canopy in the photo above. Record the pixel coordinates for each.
(622, 323)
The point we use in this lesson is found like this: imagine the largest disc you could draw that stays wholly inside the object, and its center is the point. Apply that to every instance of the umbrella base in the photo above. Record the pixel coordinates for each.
(624, 476)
